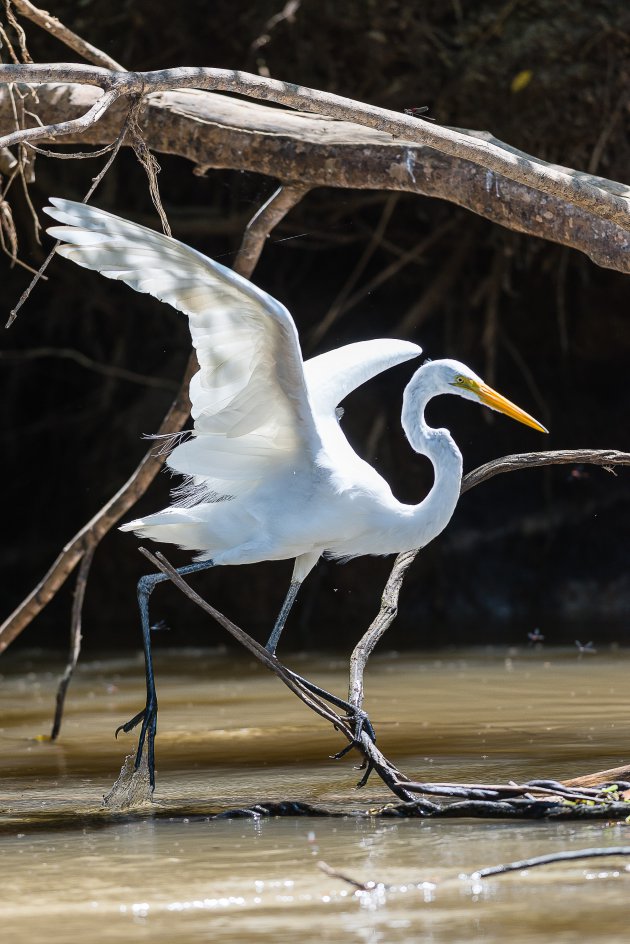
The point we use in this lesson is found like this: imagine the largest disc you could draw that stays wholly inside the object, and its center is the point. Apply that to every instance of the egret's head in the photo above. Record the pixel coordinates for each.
(455, 377)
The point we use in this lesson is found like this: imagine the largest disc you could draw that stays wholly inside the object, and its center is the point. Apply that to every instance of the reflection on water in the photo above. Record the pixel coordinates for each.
(230, 735)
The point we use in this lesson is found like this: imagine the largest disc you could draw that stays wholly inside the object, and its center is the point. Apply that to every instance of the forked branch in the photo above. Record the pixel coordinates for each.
(608, 458)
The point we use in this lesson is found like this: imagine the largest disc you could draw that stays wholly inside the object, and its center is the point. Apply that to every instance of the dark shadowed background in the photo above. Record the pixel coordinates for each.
(541, 548)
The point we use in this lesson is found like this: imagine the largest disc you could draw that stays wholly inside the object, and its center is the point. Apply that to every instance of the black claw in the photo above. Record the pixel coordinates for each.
(361, 722)
(130, 725)
(364, 779)
(344, 750)
(148, 717)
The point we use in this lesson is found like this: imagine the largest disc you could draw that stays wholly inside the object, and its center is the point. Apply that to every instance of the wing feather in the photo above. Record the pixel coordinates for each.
(332, 376)
(249, 399)
(255, 403)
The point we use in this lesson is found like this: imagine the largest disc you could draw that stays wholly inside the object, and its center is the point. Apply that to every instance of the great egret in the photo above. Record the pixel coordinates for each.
(269, 472)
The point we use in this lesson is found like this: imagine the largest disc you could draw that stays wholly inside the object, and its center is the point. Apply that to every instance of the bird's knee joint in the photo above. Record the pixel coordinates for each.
(146, 584)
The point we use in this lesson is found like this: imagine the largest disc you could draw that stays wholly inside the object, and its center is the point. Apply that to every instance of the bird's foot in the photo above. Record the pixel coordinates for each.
(358, 718)
(361, 723)
(148, 718)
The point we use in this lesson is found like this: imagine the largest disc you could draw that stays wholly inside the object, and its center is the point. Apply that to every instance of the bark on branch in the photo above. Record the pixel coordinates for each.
(368, 148)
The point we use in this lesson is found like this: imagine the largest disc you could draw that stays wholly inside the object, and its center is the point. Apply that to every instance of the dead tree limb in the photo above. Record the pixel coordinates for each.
(472, 169)
(608, 458)
(214, 131)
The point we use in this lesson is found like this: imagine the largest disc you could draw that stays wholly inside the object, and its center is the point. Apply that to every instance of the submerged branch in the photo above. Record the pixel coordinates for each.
(551, 858)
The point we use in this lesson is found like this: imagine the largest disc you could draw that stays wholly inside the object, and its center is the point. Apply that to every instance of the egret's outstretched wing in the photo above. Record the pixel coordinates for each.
(253, 398)
(332, 376)
(249, 399)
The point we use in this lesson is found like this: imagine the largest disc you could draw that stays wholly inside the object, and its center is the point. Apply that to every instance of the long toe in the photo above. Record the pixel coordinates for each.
(130, 725)
(360, 723)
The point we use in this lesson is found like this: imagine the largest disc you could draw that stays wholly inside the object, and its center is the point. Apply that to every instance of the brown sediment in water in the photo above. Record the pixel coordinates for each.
(230, 736)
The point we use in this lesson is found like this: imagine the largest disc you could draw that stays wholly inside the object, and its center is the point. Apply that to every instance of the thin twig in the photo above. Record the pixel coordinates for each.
(56, 28)
(75, 638)
(148, 161)
(550, 858)
(107, 370)
(71, 156)
(335, 873)
(18, 29)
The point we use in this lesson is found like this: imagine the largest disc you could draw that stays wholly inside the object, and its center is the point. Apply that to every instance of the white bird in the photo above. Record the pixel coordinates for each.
(269, 472)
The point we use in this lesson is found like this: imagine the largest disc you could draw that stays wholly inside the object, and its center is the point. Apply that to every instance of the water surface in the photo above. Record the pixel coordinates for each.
(230, 735)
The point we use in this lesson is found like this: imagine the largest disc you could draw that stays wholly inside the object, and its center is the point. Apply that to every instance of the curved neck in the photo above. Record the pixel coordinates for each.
(433, 513)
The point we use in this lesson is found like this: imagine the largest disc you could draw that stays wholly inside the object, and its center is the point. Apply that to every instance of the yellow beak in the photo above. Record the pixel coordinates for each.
(495, 401)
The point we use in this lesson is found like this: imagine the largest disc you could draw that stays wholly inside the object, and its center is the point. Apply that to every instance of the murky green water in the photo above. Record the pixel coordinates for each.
(230, 735)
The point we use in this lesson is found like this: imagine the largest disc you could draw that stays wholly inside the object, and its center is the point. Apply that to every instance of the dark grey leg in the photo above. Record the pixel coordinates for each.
(276, 632)
(358, 717)
(148, 715)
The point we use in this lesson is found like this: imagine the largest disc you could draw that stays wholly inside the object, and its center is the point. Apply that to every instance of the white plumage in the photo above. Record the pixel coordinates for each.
(270, 473)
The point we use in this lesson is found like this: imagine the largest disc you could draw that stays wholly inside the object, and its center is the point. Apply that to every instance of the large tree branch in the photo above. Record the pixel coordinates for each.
(472, 169)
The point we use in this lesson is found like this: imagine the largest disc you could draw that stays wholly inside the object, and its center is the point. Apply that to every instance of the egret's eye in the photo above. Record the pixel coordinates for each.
(460, 380)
